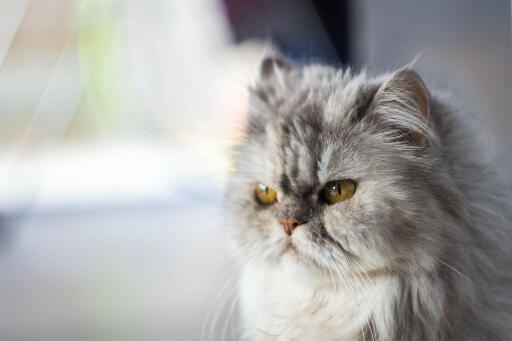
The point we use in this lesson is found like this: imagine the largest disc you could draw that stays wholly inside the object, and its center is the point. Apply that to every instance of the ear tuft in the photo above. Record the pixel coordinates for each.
(273, 65)
(403, 103)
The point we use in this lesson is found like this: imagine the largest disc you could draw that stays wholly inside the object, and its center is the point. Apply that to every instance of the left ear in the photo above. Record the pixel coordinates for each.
(273, 83)
(274, 64)
(403, 104)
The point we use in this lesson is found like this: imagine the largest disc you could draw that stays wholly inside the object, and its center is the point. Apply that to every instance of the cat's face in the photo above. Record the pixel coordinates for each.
(334, 172)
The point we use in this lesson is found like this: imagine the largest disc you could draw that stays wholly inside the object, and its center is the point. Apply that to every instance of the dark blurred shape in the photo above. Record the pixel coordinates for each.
(335, 15)
(302, 29)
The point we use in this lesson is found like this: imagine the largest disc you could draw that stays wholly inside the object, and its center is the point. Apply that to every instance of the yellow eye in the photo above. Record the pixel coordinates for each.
(265, 194)
(341, 190)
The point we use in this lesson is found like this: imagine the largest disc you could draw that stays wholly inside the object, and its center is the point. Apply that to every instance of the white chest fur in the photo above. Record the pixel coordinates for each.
(284, 303)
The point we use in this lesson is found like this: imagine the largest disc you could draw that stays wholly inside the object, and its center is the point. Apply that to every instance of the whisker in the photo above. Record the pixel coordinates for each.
(457, 271)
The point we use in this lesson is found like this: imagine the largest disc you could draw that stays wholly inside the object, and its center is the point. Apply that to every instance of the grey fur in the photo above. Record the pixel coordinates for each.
(429, 214)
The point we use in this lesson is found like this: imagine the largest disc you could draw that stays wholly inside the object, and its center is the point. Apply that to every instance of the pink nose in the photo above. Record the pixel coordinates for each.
(289, 224)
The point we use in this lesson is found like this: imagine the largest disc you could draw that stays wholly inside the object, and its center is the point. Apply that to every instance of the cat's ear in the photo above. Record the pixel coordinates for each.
(402, 103)
(272, 85)
(274, 66)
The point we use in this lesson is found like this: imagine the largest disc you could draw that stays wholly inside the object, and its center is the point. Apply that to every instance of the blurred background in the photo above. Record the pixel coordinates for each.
(116, 118)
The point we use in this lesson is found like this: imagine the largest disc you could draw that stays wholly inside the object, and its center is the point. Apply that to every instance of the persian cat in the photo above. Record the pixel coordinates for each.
(362, 211)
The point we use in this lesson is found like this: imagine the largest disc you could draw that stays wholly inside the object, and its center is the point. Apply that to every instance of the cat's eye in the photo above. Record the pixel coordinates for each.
(265, 194)
(336, 191)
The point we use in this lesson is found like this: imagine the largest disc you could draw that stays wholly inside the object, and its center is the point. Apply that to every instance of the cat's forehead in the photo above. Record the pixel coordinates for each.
(306, 140)
(309, 150)
(331, 94)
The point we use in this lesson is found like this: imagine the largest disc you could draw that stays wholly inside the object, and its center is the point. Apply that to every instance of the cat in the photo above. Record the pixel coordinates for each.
(362, 211)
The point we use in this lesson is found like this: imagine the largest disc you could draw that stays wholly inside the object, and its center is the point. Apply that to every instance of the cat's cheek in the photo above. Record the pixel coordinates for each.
(339, 226)
(353, 236)
(304, 246)
(271, 238)
(278, 240)
(299, 239)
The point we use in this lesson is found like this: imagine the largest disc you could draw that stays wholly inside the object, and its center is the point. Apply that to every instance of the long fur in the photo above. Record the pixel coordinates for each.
(422, 249)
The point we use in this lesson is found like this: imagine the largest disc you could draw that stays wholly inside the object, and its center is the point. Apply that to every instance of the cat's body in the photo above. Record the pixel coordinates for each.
(421, 249)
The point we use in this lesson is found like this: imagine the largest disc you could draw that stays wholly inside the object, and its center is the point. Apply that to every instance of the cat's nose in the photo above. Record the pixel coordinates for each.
(289, 224)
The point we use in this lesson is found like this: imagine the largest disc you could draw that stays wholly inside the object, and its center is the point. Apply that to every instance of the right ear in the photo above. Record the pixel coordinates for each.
(402, 105)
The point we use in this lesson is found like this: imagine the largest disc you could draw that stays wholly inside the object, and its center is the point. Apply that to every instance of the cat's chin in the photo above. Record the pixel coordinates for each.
(290, 256)
(293, 264)
(297, 270)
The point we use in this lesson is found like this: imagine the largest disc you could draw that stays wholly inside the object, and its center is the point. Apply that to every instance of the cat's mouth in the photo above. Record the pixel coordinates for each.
(290, 249)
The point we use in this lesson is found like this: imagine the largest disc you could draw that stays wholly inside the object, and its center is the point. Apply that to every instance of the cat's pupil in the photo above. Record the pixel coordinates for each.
(339, 188)
(266, 190)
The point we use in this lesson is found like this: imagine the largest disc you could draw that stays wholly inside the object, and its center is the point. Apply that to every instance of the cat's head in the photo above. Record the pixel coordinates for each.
(338, 172)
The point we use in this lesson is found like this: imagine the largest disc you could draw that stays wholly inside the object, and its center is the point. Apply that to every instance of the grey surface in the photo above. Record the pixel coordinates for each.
(146, 273)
